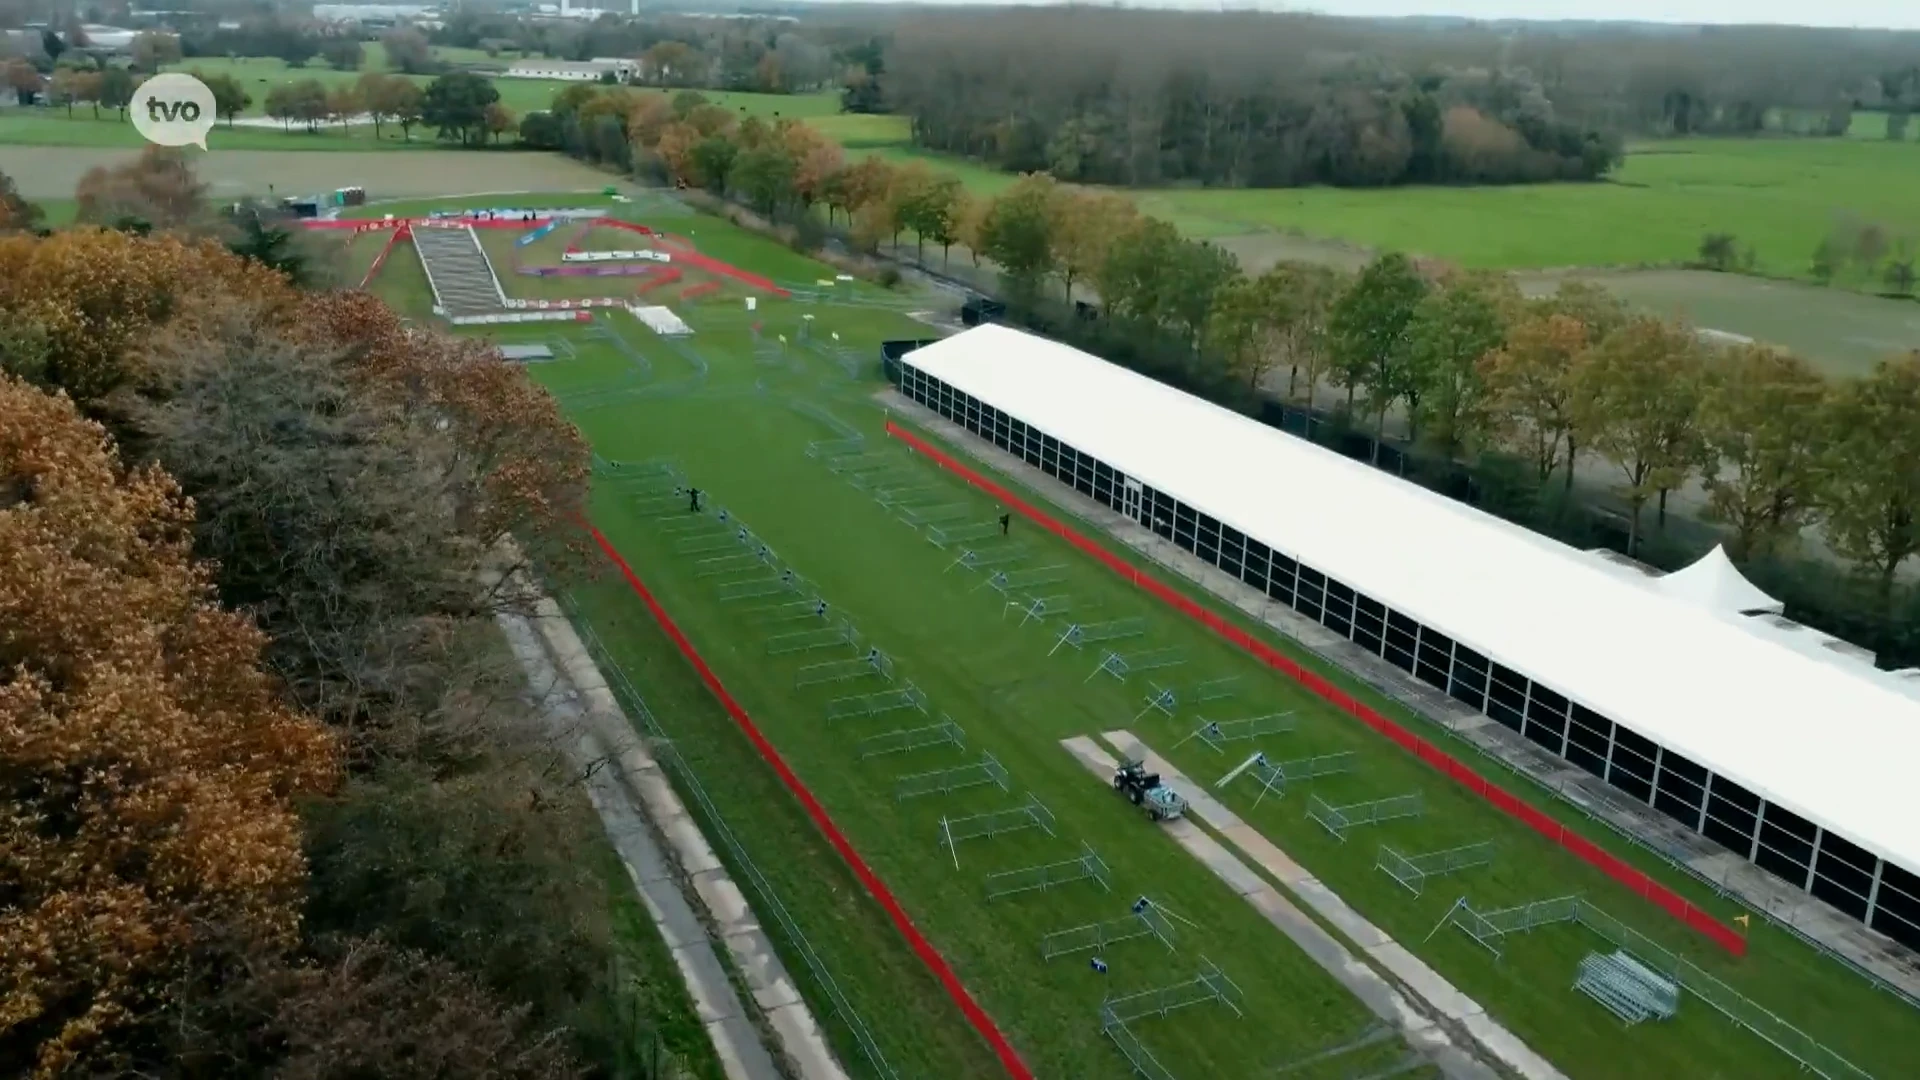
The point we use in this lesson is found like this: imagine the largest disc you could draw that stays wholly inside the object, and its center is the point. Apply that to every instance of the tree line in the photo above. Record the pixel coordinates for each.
(277, 800)
(1502, 395)
(1647, 80)
(1151, 99)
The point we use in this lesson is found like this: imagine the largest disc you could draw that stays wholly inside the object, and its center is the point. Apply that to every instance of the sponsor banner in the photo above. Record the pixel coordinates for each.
(494, 318)
(616, 256)
(536, 234)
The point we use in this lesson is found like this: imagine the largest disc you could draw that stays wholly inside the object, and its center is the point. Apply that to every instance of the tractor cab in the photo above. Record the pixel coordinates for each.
(1144, 789)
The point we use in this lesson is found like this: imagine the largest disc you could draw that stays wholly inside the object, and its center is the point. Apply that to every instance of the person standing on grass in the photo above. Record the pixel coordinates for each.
(1006, 522)
(693, 500)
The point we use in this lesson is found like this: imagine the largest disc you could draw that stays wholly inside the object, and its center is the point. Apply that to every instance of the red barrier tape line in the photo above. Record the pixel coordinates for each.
(1718, 932)
(982, 1023)
(380, 260)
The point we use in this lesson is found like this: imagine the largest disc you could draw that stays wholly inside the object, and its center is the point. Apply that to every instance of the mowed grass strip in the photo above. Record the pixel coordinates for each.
(749, 453)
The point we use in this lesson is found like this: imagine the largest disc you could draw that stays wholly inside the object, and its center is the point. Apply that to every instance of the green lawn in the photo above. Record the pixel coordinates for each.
(746, 448)
(1777, 196)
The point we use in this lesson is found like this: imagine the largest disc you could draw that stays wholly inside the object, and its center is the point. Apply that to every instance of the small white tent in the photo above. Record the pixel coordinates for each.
(1714, 583)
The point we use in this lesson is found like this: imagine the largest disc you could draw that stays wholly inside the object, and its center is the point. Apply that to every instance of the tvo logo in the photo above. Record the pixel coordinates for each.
(174, 109)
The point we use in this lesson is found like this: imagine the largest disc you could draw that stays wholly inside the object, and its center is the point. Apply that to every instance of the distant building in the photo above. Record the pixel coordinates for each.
(22, 43)
(573, 70)
(109, 38)
(387, 14)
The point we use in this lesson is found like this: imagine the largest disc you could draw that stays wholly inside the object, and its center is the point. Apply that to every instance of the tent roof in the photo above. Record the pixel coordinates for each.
(1713, 582)
(1827, 737)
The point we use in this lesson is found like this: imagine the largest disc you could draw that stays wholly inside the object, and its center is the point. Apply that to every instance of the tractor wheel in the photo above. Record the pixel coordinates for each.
(1119, 784)
(1135, 796)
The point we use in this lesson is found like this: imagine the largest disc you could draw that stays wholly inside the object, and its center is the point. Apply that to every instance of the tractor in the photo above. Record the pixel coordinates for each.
(1146, 791)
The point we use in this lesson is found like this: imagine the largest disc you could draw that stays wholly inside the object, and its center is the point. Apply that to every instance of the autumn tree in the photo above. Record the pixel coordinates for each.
(158, 187)
(1529, 382)
(970, 228)
(500, 120)
(1636, 400)
(16, 213)
(407, 51)
(154, 50)
(1872, 497)
(1763, 421)
(363, 1007)
(1367, 335)
(408, 104)
(22, 78)
(63, 90)
(817, 162)
(1248, 325)
(1451, 330)
(94, 296)
(149, 764)
(907, 188)
(1311, 289)
(936, 214)
(1085, 226)
(344, 103)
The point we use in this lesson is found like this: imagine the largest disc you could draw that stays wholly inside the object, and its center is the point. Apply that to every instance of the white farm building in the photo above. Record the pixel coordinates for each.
(1687, 693)
(573, 70)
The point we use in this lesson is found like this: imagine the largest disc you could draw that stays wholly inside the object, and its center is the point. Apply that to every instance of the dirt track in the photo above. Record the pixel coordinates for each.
(50, 172)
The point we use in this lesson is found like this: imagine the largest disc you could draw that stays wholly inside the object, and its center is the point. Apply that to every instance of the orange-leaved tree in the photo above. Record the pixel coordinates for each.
(92, 296)
(529, 464)
(148, 763)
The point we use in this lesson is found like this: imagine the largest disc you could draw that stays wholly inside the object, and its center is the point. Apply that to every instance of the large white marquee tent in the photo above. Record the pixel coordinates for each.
(1677, 659)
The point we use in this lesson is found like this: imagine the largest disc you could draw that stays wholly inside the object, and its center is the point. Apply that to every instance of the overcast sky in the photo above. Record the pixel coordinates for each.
(1903, 14)
(1899, 14)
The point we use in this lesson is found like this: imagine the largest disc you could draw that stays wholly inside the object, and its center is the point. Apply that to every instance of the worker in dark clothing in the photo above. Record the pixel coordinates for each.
(1006, 522)
(693, 500)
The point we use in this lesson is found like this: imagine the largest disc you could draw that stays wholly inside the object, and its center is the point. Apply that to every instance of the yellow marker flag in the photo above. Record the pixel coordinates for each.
(1743, 920)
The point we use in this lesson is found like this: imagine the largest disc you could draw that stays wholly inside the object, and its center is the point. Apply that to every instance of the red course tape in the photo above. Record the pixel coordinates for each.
(982, 1023)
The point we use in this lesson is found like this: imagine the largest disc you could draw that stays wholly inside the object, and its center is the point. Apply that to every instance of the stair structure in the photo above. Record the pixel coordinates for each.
(459, 271)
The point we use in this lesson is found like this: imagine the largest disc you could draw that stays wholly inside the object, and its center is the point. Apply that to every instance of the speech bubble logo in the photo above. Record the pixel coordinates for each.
(173, 109)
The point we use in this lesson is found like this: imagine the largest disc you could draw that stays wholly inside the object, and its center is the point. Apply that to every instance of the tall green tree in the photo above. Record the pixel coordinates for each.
(1131, 276)
(1189, 281)
(116, 89)
(1248, 326)
(1762, 422)
(456, 105)
(764, 175)
(1872, 496)
(1637, 400)
(1367, 334)
(1018, 231)
(1311, 289)
(1451, 331)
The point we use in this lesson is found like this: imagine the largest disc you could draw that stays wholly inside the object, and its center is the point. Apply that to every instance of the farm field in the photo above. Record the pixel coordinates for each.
(739, 425)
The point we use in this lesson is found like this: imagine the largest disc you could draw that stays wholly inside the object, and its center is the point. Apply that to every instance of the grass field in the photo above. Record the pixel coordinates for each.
(739, 437)
(1778, 196)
